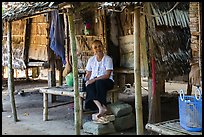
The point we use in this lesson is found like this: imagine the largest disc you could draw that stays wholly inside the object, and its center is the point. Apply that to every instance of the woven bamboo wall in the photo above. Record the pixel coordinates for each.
(196, 45)
(38, 39)
(18, 28)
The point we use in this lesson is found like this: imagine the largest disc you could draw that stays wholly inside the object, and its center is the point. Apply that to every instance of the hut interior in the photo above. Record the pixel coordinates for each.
(171, 37)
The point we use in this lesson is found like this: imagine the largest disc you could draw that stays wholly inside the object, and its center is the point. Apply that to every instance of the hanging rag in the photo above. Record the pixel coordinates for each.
(57, 36)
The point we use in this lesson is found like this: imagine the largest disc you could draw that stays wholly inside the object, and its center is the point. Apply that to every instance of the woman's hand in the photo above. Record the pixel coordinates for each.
(90, 81)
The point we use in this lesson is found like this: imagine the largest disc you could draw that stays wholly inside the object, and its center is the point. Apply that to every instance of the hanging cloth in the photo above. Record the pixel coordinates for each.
(57, 36)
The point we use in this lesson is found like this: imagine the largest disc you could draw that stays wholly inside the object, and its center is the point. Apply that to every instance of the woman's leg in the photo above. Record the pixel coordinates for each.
(90, 96)
(101, 108)
(96, 94)
(102, 86)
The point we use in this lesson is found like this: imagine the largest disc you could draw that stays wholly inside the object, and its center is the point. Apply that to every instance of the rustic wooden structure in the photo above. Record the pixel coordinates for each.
(69, 91)
(162, 39)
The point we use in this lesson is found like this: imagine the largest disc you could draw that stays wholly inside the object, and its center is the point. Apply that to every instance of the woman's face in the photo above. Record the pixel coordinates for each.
(97, 48)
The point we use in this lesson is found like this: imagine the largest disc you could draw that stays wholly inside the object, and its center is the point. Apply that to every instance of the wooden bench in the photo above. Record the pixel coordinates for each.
(171, 127)
(112, 96)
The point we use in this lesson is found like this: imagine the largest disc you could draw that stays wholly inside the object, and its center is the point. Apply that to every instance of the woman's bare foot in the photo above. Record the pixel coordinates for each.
(95, 117)
(102, 112)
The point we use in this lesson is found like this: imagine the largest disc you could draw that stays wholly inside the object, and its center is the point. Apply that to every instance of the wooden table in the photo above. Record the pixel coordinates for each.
(61, 91)
(171, 127)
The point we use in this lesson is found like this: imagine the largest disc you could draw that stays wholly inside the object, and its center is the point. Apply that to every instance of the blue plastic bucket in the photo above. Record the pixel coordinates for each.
(190, 112)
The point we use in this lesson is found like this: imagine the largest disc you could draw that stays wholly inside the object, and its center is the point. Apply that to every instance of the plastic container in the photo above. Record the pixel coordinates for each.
(190, 111)
(69, 79)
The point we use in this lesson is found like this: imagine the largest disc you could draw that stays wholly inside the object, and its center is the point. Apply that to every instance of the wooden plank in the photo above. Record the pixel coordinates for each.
(171, 127)
(124, 70)
(35, 64)
(176, 126)
(61, 91)
(160, 130)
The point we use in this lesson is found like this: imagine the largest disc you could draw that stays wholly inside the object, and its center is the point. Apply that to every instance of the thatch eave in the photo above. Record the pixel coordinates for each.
(27, 9)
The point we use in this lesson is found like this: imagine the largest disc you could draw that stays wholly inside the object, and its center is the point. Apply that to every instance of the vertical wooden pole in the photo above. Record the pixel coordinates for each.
(137, 73)
(105, 31)
(10, 73)
(27, 32)
(75, 72)
(45, 107)
(26, 74)
(60, 77)
(66, 34)
(51, 59)
(153, 96)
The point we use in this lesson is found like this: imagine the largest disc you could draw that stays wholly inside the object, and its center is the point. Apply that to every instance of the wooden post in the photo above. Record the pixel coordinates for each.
(105, 31)
(51, 59)
(75, 72)
(45, 107)
(66, 34)
(60, 77)
(27, 32)
(26, 74)
(10, 73)
(153, 96)
(137, 73)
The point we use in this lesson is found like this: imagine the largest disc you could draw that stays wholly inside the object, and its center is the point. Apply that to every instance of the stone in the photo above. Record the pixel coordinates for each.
(98, 129)
(120, 109)
(124, 122)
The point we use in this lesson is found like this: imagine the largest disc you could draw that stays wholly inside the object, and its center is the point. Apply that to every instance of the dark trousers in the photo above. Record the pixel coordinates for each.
(97, 91)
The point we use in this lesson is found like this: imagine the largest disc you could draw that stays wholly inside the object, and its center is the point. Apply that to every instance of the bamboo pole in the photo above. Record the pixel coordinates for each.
(45, 107)
(137, 73)
(10, 73)
(75, 72)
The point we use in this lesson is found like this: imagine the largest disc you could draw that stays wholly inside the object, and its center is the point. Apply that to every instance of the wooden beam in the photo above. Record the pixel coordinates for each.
(137, 73)
(77, 115)
(10, 73)
(32, 15)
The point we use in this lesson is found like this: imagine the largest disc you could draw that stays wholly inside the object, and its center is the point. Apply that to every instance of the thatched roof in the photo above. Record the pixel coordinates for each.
(116, 6)
(177, 17)
(17, 10)
(172, 36)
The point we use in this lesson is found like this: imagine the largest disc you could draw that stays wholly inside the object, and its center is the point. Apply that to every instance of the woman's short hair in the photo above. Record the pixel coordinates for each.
(97, 41)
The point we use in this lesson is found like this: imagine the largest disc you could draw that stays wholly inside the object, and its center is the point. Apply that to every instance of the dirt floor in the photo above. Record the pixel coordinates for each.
(61, 119)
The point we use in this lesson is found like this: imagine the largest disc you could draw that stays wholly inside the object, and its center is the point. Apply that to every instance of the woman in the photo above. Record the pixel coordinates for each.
(99, 79)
